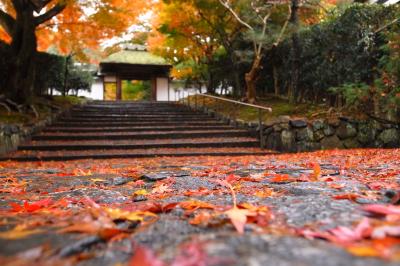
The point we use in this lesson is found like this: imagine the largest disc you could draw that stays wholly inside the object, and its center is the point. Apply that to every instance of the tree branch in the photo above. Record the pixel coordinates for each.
(284, 26)
(7, 22)
(387, 25)
(227, 6)
(58, 8)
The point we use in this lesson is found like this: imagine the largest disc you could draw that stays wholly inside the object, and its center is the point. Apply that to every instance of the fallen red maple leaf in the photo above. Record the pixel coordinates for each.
(381, 209)
(145, 257)
(31, 207)
(348, 196)
(341, 234)
(282, 178)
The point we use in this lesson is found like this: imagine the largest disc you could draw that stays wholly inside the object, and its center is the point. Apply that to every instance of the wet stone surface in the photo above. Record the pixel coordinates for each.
(108, 212)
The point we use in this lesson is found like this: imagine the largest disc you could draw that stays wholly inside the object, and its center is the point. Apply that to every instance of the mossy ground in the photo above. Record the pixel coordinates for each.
(42, 108)
(279, 107)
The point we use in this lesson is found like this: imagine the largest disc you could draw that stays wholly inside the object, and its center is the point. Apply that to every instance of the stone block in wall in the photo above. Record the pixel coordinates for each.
(346, 130)
(351, 143)
(331, 143)
(271, 122)
(268, 131)
(240, 123)
(303, 146)
(390, 138)
(334, 122)
(253, 124)
(329, 130)
(277, 128)
(298, 123)
(318, 135)
(288, 140)
(15, 139)
(318, 124)
(274, 141)
(283, 119)
(366, 134)
(378, 126)
(304, 134)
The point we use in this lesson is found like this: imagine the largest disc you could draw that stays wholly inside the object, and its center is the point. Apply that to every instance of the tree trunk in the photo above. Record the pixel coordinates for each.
(251, 79)
(295, 62)
(276, 80)
(237, 88)
(23, 68)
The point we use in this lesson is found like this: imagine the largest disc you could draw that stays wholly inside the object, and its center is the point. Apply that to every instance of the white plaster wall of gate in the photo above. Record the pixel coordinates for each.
(162, 89)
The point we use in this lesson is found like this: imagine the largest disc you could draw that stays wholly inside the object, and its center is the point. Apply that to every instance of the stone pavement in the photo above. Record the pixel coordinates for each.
(321, 208)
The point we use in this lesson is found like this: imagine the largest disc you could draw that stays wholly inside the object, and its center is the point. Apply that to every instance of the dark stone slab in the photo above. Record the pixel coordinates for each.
(298, 123)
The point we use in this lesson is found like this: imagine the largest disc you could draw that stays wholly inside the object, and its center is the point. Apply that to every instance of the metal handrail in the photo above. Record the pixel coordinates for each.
(260, 109)
(269, 109)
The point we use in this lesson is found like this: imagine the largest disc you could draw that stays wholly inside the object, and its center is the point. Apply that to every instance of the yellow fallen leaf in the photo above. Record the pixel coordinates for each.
(20, 231)
(317, 172)
(141, 192)
(117, 214)
(264, 193)
(97, 180)
(364, 251)
(80, 172)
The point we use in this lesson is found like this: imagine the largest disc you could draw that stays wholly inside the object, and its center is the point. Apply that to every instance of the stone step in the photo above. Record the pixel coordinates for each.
(130, 109)
(103, 130)
(144, 144)
(136, 116)
(140, 124)
(142, 135)
(134, 113)
(110, 154)
(138, 119)
(132, 129)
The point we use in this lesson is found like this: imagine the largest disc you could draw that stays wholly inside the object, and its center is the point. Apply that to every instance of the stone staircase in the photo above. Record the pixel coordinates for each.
(102, 130)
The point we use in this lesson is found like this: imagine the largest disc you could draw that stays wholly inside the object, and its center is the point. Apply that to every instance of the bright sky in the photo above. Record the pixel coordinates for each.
(144, 23)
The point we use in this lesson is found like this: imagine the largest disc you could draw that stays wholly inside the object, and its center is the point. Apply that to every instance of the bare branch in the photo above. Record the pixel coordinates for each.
(387, 25)
(279, 39)
(58, 8)
(35, 112)
(5, 107)
(227, 6)
(265, 23)
(255, 10)
(7, 22)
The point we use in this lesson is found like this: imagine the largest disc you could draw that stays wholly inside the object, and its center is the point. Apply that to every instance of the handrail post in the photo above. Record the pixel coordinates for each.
(188, 100)
(235, 112)
(204, 103)
(260, 125)
(195, 101)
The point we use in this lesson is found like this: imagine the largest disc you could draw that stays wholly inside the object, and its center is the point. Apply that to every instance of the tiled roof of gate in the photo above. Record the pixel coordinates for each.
(135, 57)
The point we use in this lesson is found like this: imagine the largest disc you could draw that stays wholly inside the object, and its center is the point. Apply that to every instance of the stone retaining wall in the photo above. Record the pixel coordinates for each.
(11, 135)
(297, 135)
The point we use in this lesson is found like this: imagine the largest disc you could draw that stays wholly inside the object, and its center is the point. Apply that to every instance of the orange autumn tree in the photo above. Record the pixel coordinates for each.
(192, 33)
(68, 25)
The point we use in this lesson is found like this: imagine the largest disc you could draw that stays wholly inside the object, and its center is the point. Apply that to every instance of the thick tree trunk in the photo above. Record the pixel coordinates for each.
(295, 62)
(251, 80)
(23, 68)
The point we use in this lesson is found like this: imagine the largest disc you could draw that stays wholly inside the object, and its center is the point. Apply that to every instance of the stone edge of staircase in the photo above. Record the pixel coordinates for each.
(12, 135)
